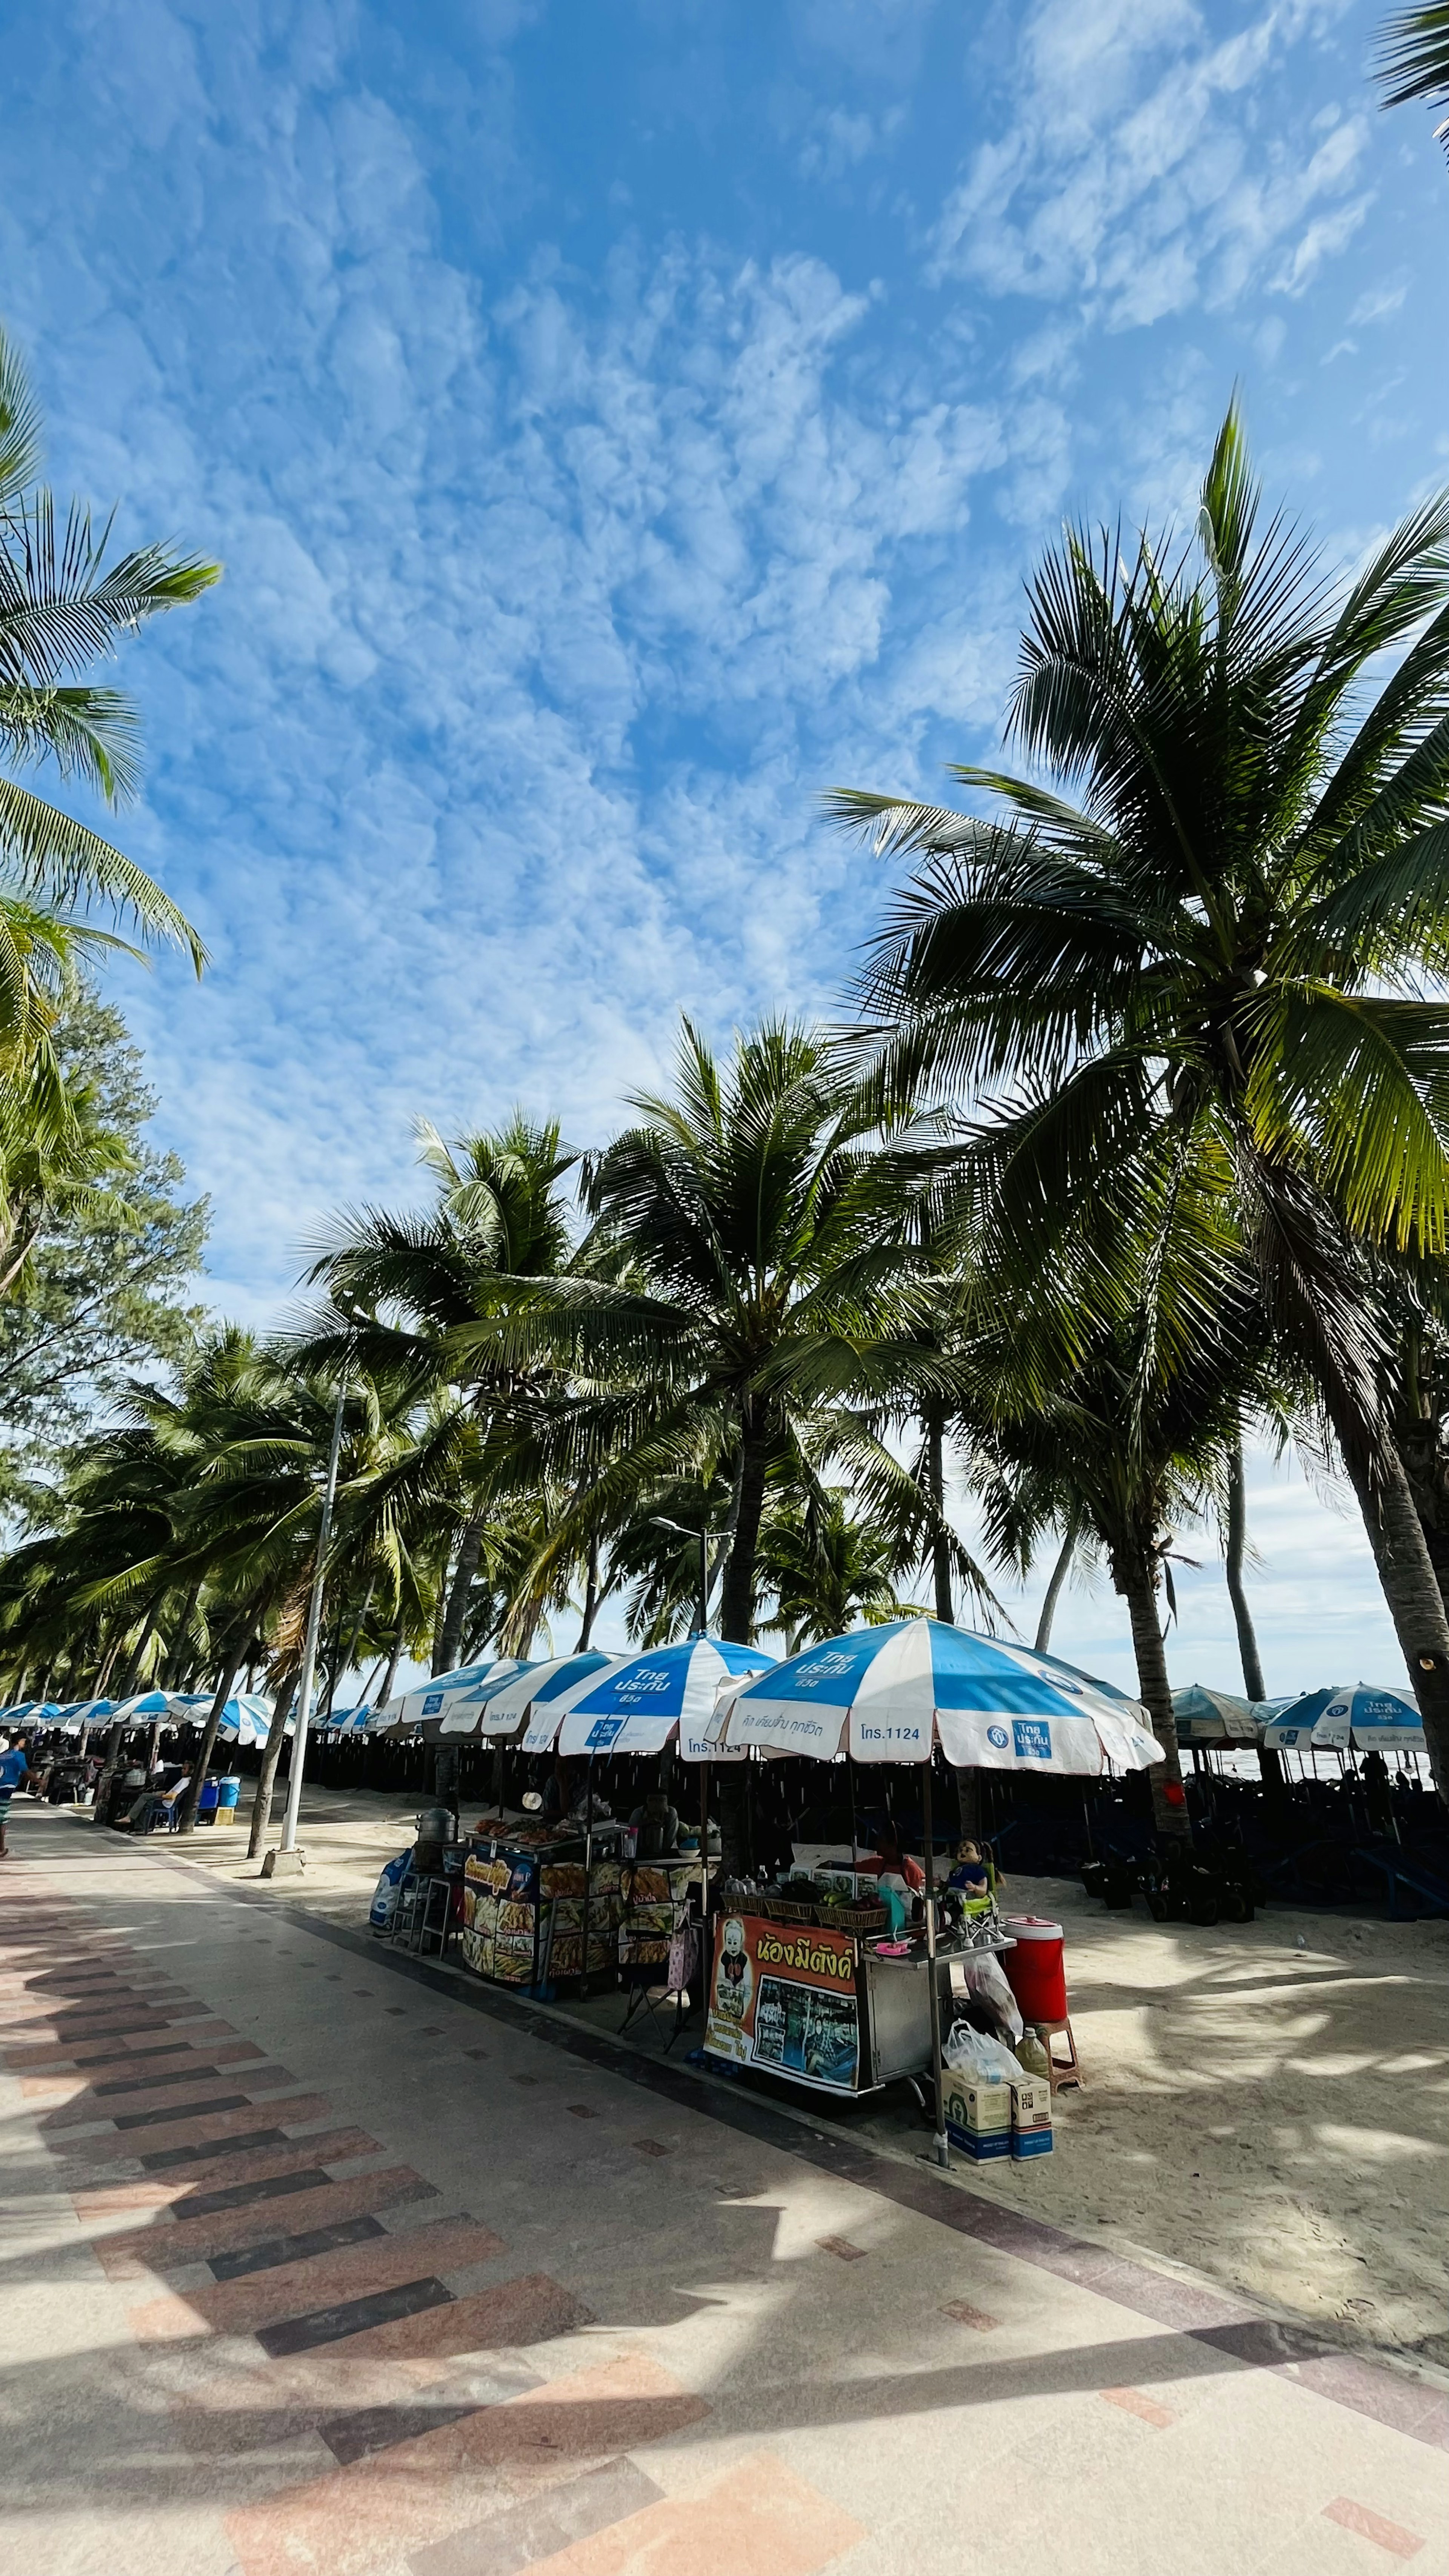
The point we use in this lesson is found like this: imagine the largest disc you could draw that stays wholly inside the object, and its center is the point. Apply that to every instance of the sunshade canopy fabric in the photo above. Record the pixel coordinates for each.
(888, 1694)
(1357, 1713)
(642, 1700)
(1208, 1716)
(467, 1712)
(433, 1699)
(514, 1698)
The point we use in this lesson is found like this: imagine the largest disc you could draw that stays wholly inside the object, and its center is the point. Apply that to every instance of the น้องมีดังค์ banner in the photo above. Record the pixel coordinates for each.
(785, 1998)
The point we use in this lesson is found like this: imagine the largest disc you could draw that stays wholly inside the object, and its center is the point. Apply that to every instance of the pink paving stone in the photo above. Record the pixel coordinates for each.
(1391, 2536)
(135, 2253)
(395, 2501)
(208, 2127)
(290, 2155)
(841, 2248)
(963, 2314)
(317, 2281)
(761, 2520)
(1132, 2401)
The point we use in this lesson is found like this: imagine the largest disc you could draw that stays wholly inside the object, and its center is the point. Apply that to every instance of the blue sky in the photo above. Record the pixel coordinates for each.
(620, 419)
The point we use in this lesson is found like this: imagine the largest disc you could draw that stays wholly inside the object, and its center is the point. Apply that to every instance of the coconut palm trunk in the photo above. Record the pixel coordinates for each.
(1270, 1765)
(276, 1736)
(1060, 1571)
(450, 1635)
(1135, 1575)
(737, 1591)
(224, 1688)
(1407, 1577)
(940, 1546)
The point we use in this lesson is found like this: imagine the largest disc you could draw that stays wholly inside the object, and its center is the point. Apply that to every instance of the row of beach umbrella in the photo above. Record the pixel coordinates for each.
(881, 1694)
(884, 1694)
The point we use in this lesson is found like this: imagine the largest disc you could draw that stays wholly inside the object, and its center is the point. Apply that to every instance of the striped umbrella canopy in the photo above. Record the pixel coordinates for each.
(91, 1712)
(470, 1712)
(889, 1694)
(511, 1700)
(38, 1711)
(348, 1721)
(246, 1716)
(1208, 1716)
(429, 1700)
(1354, 1713)
(150, 1703)
(642, 1701)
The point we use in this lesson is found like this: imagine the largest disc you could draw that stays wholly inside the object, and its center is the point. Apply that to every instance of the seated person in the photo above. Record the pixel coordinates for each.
(894, 1863)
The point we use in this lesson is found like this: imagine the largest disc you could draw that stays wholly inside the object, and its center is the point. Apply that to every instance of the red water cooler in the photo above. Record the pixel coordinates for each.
(1036, 1968)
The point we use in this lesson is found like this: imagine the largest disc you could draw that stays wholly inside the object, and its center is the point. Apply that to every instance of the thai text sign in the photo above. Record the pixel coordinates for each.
(786, 1999)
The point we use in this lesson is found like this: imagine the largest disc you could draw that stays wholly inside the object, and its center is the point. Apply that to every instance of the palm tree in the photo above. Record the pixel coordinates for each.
(498, 1218)
(1219, 943)
(736, 1240)
(1413, 52)
(63, 605)
(827, 1567)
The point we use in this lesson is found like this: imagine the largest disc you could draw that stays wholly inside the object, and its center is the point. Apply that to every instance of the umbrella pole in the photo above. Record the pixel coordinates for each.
(707, 1959)
(588, 1871)
(940, 2149)
(1087, 1821)
(854, 1846)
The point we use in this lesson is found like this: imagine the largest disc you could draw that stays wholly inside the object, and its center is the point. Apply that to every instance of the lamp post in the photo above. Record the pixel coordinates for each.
(680, 1531)
(287, 1856)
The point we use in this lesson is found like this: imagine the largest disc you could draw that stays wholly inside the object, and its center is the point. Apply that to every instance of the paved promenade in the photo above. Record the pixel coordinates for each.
(313, 2264)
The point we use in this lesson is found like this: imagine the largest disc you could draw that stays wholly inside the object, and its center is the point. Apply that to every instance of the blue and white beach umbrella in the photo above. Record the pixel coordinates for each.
(642, 1700)
(432, 1700)
(889, 1694)
(146, 1704)
(1206, 1715)
(1330, 1720)
(510, 1701)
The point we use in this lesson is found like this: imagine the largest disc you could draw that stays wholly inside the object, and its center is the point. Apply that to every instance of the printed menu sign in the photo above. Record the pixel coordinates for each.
(784, 1996)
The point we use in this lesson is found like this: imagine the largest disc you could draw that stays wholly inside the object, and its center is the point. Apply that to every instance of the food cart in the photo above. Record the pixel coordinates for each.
(524, 1903)
(819, 2006)
(835, 2009)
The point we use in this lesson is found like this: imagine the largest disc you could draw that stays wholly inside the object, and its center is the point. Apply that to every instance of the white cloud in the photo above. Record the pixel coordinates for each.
(1134, 178)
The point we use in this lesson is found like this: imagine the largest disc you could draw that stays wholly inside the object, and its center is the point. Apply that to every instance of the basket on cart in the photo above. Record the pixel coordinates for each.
(863, 1919)
(788, 1909)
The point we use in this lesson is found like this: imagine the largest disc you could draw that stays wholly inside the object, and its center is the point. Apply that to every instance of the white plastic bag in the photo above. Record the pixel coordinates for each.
(970, 2052)
(986, 1977)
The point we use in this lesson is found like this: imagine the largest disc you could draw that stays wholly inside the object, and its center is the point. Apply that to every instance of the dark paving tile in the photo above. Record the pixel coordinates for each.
(240, 2195)
(378, 2428)
(180, 2111)
(295, 2249)
(241, 2146)
(649, 2147)
(152, 2083)
(350, 2317)
(543, 2526)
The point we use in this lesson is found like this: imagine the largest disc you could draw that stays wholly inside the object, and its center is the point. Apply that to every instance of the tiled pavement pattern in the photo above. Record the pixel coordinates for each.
(299, 2282)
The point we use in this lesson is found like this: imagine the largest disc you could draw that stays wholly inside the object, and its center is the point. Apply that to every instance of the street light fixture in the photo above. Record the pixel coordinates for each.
(703, 1535)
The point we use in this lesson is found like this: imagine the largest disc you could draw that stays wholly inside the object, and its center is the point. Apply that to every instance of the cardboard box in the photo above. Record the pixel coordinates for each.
(983, 2146)
(1030, 2142)
(982, 2110)
(1031, 2103)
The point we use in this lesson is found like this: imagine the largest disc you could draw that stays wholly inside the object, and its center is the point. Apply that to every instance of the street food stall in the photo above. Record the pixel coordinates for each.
(524, 1901)
(833, 2005)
